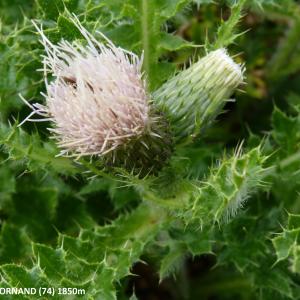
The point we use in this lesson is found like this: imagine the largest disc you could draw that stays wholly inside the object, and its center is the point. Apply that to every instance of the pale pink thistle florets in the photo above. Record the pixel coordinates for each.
(97, 99)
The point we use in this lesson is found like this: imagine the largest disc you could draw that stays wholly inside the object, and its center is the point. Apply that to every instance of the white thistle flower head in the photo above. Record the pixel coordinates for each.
(97, 100)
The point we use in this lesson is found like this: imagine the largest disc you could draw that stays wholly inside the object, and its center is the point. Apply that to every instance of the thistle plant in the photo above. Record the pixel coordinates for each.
(120, 165)
(99, 105)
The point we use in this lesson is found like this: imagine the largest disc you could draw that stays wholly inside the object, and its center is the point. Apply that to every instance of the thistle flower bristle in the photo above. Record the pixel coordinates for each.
(236, 70)
(97, 100)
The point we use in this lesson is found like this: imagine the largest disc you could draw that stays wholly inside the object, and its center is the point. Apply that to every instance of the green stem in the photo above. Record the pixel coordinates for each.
(145, 35)
(290, 160)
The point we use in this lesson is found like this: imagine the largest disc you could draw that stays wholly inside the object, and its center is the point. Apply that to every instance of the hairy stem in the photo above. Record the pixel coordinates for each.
(145, 35)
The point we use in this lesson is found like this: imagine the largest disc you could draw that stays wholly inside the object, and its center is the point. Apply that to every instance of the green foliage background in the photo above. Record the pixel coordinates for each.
(62, 226)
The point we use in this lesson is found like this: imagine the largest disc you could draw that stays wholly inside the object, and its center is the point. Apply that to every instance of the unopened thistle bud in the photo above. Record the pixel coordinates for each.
(99, 106)
(195, 96)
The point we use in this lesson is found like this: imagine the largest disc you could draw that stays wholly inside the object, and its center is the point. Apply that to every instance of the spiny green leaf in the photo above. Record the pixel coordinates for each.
(29, 148)
(283, 124)
(95, 260)
(226, 32)
(173, 261)
(51, 9)
(287, 243)
(171, 42)
(227, 188)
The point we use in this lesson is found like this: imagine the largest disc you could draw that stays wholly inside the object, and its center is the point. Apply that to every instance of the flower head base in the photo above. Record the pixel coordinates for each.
(97, 100)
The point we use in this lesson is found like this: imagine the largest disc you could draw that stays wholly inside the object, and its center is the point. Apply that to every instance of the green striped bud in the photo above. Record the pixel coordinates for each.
(194, 97)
